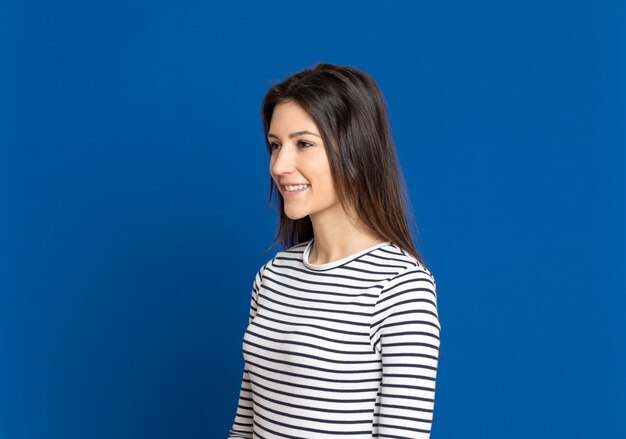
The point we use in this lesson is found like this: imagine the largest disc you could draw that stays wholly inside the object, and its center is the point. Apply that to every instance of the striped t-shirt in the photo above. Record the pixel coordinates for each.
(347, 349)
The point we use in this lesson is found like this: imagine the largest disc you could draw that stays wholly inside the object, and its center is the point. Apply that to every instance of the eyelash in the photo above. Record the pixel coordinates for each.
(273, 144)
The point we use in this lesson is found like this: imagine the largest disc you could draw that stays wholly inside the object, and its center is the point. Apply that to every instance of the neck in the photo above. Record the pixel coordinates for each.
(337, 237)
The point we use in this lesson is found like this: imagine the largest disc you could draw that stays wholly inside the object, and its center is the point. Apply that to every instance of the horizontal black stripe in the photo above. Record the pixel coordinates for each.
(316, 378)
(308, 299)
(315, 318)
(314, 430)
(318, 388)
(401, 407)
(323, 287)
(310, 345)
(302, 354)
(264, 396)
(323, 274)
(313, 335)
(396, 305)
(366, 420)
(388, 335)
(307, 366)
(313, 398)
(393, 345)
(309, 325)
(400, 427)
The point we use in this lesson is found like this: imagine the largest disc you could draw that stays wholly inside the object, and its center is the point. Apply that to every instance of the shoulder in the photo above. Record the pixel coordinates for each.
(411, 269)
(292, 253)
(415, 284)
(407, 302)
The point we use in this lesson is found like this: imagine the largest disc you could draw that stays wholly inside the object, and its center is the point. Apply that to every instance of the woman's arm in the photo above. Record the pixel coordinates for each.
(405, 330)
(242, 427)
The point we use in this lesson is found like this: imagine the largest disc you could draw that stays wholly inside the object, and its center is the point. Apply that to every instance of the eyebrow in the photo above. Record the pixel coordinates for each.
(292, 135)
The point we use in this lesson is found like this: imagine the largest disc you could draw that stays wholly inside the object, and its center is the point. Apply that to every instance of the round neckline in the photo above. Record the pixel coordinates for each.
(338, 262)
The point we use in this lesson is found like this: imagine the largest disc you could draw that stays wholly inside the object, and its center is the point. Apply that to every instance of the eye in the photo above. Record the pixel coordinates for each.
(304, 144)
(274, 146)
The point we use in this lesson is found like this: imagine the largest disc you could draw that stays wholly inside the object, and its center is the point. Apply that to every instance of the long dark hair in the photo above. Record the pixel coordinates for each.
(350, 113)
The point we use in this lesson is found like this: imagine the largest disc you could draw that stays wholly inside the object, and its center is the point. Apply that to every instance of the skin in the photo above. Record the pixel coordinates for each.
(302, 158)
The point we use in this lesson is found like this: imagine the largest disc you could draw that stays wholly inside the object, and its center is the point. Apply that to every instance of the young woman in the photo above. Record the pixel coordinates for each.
(343, 335)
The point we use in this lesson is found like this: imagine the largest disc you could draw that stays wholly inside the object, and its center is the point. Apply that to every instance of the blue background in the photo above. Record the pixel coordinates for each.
(133, 183)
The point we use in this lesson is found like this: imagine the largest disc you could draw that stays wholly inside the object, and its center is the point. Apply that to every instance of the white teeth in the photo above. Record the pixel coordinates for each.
(290, 188)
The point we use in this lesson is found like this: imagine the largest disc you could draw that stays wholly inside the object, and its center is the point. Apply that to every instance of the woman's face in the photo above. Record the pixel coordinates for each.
(299, 158)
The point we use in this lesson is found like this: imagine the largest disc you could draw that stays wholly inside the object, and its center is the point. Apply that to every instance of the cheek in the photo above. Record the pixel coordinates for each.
(321, 170)
(325, 183)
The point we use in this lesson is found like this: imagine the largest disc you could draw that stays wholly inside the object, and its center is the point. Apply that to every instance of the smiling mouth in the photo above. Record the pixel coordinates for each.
(292, 192)
(296, 188)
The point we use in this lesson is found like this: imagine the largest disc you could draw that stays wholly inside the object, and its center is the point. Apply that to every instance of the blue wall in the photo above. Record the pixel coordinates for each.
(133, 181)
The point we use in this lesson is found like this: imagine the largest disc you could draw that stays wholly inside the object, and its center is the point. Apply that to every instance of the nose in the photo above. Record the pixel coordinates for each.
(283, 161)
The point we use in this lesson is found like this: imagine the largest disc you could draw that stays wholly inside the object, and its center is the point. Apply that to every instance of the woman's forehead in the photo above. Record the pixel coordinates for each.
(290, 117)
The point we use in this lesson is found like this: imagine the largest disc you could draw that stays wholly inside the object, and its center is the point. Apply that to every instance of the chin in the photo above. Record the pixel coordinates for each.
(295, 216)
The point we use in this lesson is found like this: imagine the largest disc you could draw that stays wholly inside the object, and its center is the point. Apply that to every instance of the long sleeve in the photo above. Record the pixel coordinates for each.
(405, 331)
(242, 427)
